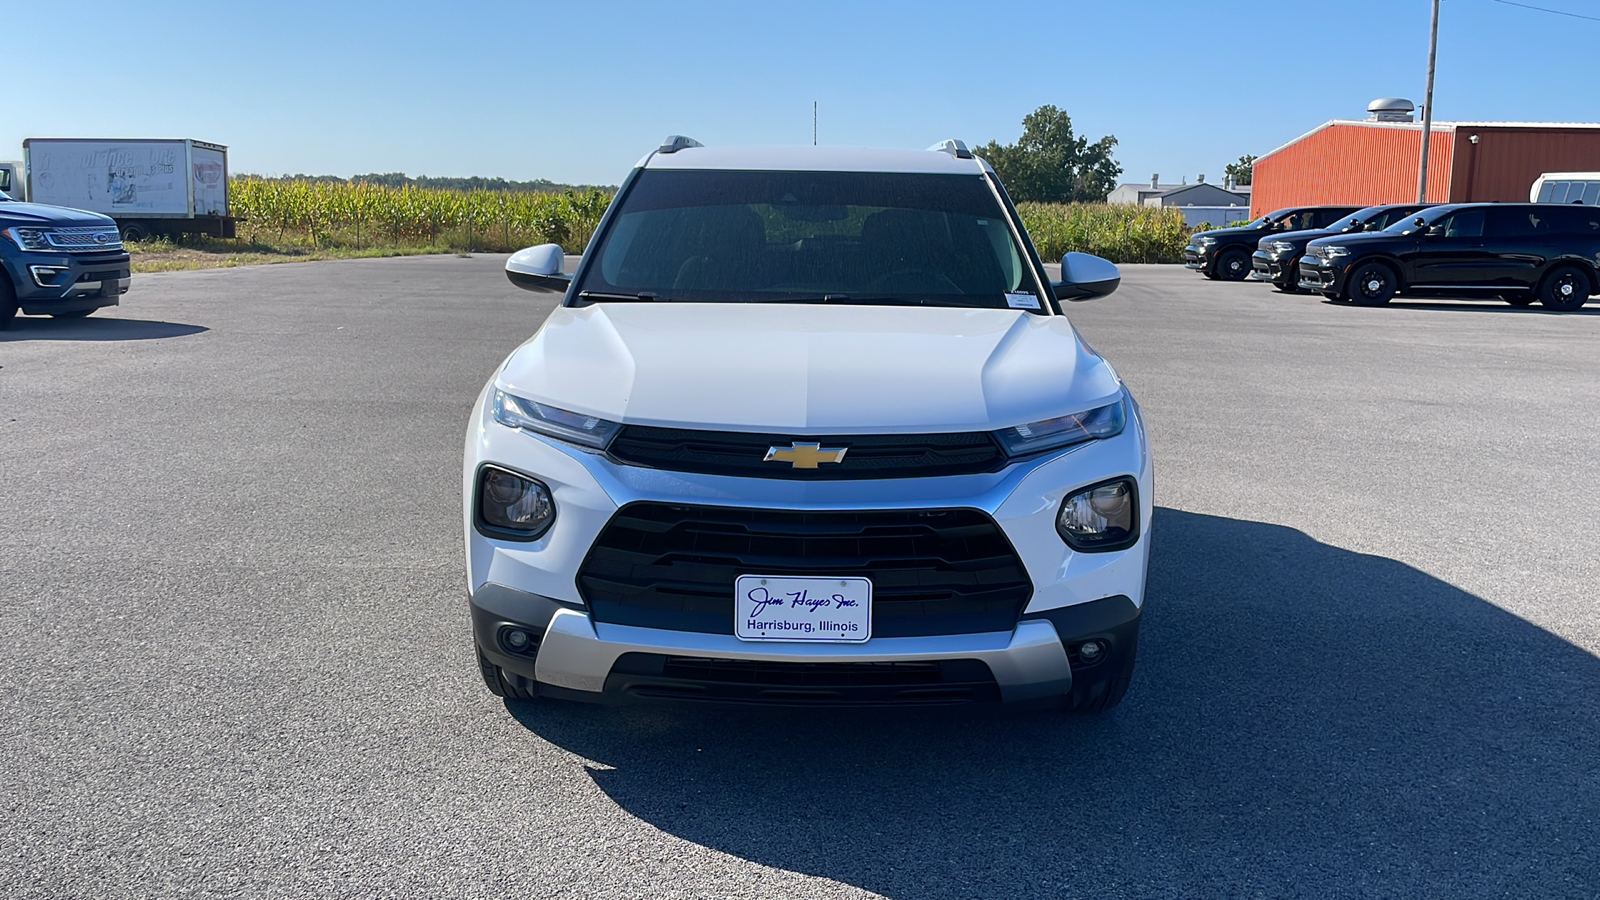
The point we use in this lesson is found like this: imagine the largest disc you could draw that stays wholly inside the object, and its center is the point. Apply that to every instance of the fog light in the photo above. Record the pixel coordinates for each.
(517, 639)
(1101, 517)
(1090, 651)
(513, 506)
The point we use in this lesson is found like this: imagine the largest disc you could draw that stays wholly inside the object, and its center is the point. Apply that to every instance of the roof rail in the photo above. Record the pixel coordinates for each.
(676, 142)
(954, 148)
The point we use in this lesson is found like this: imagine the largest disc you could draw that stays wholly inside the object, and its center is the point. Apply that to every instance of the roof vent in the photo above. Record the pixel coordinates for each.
(1390, 109)
(676, 142)
(954, 148)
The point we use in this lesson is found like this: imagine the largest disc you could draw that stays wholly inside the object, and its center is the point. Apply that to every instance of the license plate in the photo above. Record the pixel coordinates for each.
(785, 608)
(110, 288)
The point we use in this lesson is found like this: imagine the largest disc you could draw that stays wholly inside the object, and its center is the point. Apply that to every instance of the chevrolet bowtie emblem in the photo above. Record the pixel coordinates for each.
(805, 456)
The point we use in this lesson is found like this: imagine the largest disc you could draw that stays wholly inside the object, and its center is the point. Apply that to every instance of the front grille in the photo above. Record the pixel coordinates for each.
(656, 676)
(866, 455)
(93, 237)
(940, 571)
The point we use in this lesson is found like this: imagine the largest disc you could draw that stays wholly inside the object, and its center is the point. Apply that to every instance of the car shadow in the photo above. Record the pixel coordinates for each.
(1306, 721)
(1482, 306)
(94, 328)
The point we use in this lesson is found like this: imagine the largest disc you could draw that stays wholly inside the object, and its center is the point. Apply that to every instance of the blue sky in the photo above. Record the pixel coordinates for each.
(577, 92)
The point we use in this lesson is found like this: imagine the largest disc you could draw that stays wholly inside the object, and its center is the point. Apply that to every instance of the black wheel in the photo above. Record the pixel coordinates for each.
(1519, 300)
(1290, 283)
(1564, 289)
(133, 231)
(1103, 691)
(8, 302)
(504, 684)
(75, 314)
(1233, 265)
(1371, 284)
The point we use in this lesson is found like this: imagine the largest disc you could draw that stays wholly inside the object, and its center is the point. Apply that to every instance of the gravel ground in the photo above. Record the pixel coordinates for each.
(236, 658)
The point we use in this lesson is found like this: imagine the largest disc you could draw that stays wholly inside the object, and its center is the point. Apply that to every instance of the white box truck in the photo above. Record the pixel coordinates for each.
(151, 187)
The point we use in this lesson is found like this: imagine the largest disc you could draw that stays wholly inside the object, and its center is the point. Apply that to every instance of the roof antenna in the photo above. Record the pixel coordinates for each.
(813, 123)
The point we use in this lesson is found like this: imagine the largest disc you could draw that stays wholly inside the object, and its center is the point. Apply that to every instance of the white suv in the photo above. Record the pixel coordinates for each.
(809, 427)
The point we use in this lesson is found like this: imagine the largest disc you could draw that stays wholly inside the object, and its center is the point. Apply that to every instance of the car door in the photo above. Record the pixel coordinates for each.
(1449, 255)
(1521, 241)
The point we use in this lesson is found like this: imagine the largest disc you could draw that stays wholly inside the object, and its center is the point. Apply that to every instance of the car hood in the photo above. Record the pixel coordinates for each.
(1223, 234)
(13, 213)
(809, 368)
(1356, 237)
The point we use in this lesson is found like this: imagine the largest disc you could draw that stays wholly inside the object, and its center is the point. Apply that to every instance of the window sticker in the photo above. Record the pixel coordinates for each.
(1022, 301)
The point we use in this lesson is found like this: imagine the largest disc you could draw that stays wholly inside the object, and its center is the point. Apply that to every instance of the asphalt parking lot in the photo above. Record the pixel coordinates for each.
(237, 663)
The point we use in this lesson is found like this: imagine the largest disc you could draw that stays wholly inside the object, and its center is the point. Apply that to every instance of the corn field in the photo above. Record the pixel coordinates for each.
(332, 214)
(360, 214)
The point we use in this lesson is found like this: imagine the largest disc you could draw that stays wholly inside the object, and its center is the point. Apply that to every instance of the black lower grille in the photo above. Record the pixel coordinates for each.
(939, 571)
(656, 676)
(866, 455)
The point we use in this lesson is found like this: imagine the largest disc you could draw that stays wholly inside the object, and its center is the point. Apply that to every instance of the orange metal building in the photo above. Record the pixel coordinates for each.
(1352, 163)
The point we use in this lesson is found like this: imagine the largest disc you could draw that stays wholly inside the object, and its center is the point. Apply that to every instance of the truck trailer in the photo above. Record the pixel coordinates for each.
(150, 187)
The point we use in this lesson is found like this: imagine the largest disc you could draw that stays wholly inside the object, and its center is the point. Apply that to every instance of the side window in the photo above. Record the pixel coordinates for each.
(1558, 192)
(1591, 193)
(1574, 220)
(1546, 191)
(1511, 221)
(1322, 218)
(1467, 223)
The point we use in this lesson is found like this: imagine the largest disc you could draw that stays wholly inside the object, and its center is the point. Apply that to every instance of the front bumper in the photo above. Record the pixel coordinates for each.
(1324, 276)
(573, 657)
(1268, 266)
(67, 282)
(1195, 258)
(533, 585)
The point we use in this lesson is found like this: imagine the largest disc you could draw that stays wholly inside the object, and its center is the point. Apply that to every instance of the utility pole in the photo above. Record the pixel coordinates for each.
(1427, 109)
(813, 123)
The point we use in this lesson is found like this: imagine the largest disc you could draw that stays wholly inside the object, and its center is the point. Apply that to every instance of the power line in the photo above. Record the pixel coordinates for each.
(1554, 12)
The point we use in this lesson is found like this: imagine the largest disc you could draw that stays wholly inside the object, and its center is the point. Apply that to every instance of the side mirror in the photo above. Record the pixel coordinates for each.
(539, 269)
(1085, 277)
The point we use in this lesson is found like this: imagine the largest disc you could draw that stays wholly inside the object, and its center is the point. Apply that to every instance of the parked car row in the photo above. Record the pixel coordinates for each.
(1517, 252)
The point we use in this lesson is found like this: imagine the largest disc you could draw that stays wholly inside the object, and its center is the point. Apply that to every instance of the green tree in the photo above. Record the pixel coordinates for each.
(1052, 164)
(1241, 170)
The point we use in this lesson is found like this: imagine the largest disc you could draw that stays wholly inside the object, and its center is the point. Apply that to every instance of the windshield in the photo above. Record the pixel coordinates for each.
(1408, 224)
(1371, 219)
(837, 237)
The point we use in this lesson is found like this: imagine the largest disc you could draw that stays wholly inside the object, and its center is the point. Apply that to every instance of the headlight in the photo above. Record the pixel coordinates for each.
(1283, 246)
(1204, 240)
(512, 506)
(576, 428)
(1331, 252)
(1050, 434)
(29, 238)
(1101, 518)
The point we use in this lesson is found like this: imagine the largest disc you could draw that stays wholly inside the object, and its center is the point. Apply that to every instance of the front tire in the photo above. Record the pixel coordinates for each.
(1565, 289)
(1291, 279)
(504, 684)
(1372, 284)
(8, 302)
(1233, 265)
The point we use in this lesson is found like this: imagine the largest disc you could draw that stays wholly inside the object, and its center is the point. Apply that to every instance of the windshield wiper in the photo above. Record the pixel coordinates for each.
(645, 296)
(886, 300)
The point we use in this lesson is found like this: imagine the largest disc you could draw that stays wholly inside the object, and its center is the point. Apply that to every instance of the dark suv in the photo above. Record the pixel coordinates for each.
(1519, 252)
(59, 262)
(1277, 256)
(1225, 253)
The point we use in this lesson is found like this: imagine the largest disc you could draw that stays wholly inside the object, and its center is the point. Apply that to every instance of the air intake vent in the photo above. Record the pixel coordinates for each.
(1390, 109)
